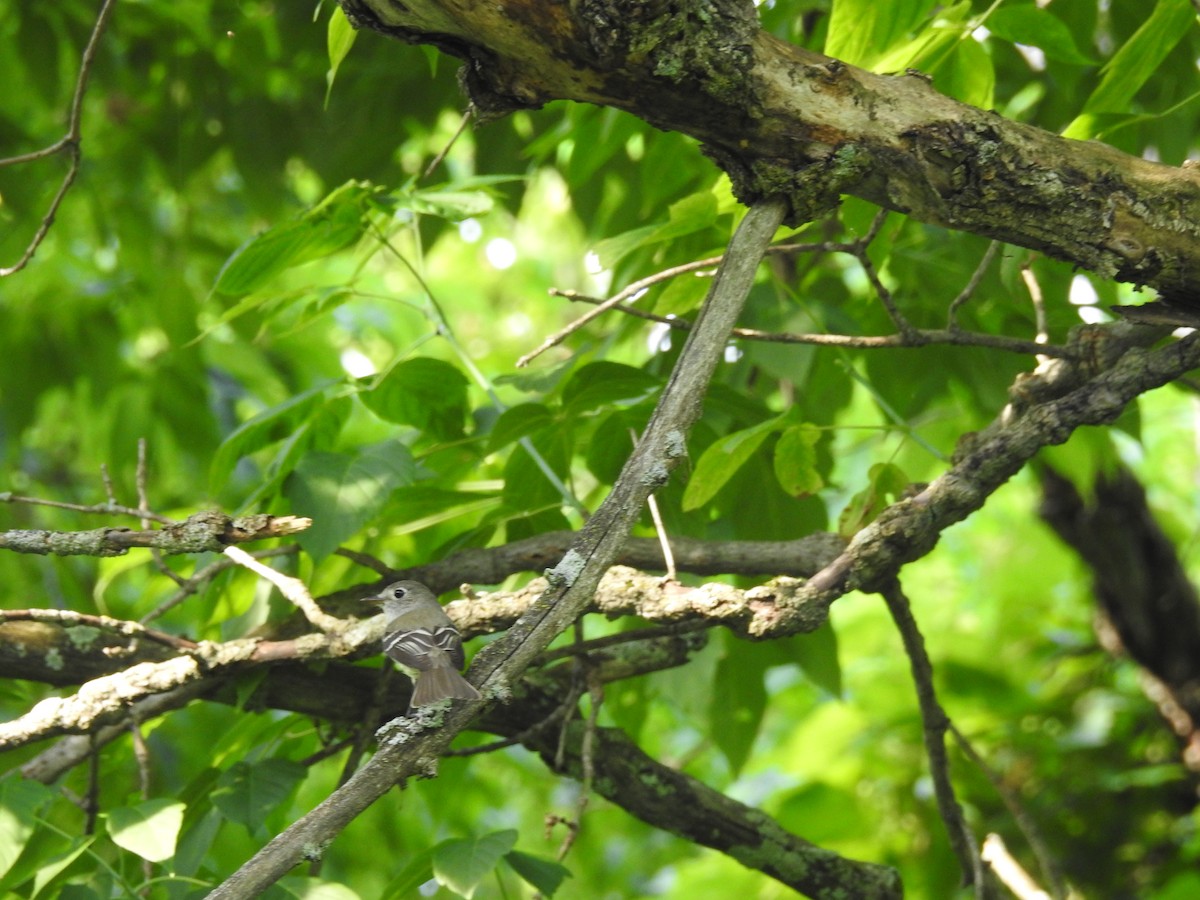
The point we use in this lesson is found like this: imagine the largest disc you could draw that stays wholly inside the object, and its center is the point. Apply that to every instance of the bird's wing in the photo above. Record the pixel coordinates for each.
(425, 648)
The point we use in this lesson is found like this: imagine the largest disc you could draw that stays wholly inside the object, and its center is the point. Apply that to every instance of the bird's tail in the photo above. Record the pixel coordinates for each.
(441, 683)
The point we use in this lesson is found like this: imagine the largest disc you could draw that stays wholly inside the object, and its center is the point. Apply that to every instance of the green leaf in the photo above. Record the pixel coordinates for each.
(1036, 26)
(423, 392)
(335, 222)
(20, 801)
(885, 484)
(266, 428)
(682, 295)
(722, 459)
(602, 384)
(518, 422)
(149, 829)
(452, 205)
(739, 698)
(817, 654)
(796, 460)
(863, 31)
(339, 38)
(418, 871)
(693, 213)
(1132, 65)
(51, 868)
(461, 864)
(248, 792)
(938, 37)
(546, 875)
(343, 493)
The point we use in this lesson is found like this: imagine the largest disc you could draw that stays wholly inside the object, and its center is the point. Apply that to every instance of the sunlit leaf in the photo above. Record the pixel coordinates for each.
(342, 493)
(149, 829)
(423, 392)
(249, 792)
(721, 461)
(544, 874)
(462, 864)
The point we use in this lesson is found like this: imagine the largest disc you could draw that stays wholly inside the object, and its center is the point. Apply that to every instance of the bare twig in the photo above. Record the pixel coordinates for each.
(293, 589)
(637, 288)
(106, 509)
(1009, 871)
(935, 724)
(1039, 304)
(462, 126)
(971, 286)
(916, 337)
(69, 141)
(1051, 871)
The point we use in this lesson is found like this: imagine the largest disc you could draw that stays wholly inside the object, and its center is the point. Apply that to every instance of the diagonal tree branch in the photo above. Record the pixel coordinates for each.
(407, 746)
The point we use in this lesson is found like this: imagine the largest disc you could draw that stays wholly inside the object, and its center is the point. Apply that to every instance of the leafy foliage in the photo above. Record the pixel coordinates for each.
(255, 275)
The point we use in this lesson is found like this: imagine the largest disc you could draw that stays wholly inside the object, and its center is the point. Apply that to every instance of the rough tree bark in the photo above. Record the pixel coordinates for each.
(770, 113)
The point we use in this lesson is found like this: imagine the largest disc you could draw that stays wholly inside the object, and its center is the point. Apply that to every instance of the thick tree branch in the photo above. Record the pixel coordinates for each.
(1066, 398)
(675, 802)
(203, 532)
(774, 115)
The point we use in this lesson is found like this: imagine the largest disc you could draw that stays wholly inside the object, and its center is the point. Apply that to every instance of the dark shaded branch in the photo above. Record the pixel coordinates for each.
(675, 802)
(1140, 584)
(934, 724)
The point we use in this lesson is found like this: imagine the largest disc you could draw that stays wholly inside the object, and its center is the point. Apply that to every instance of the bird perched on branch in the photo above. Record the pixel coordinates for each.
(424, 642)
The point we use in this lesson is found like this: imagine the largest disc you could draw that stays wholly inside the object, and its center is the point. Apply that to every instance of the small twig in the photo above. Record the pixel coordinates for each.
(293, 589)
(1009, 871)
(587, 763)
(108, 485)
(462, 126)
(123, 627)
(625, 637)
(563, 709)
(935, 723)
(141, 753)
(91, 803)
(917, 337)
(107, 509)
(190, 586)
(635, 289)
(971, 286)
(144, 506)
(1039, 304)
(379, 567)
(69, 142)
(1051, 871)
(885, 296)
(659, 528)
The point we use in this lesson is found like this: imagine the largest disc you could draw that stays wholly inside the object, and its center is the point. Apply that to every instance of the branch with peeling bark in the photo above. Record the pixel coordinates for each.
(781, 120)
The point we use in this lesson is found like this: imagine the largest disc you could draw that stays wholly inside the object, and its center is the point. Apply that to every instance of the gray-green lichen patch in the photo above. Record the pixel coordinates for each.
(54, 659)
(82, 637)
(567, 570)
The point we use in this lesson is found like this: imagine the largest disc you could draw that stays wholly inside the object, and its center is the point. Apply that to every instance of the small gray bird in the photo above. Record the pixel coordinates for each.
(425, 643)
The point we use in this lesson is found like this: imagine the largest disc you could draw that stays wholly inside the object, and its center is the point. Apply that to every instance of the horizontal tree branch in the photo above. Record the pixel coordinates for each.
(208, 531)
(772, 115)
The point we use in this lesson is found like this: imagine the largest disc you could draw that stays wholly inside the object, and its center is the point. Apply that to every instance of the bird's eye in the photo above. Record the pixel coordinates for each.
(399, 593)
